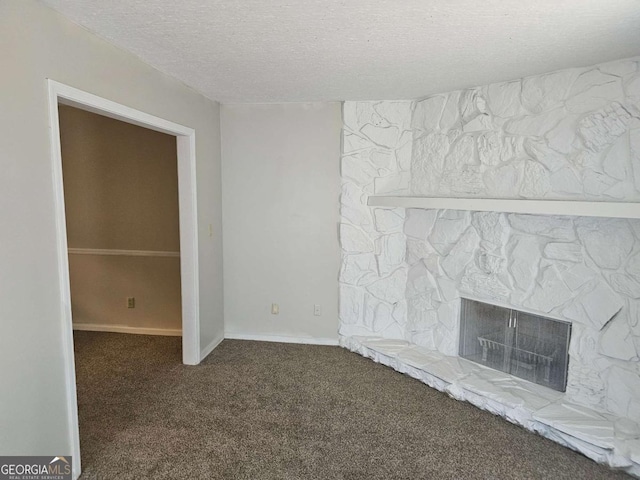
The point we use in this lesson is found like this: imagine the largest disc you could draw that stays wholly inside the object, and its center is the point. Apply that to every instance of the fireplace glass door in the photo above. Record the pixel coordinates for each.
(528, 346)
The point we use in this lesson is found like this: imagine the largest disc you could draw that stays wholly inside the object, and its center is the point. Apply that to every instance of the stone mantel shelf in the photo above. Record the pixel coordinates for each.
(537, 207)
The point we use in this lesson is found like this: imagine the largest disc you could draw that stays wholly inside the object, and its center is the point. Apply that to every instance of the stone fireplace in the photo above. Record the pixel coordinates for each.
(569, 135)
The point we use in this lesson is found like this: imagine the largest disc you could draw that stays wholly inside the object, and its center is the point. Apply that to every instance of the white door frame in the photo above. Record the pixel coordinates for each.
(186, 149)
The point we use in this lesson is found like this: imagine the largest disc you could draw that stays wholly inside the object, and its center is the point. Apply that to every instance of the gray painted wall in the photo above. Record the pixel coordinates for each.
(280, 200)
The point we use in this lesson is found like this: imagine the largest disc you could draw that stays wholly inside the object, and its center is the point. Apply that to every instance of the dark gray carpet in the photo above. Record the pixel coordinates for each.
(257, 410)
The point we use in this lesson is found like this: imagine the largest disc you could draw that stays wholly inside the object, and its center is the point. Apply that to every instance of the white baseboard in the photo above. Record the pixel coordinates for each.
(91, 327)
(209, 348)
(282, 339)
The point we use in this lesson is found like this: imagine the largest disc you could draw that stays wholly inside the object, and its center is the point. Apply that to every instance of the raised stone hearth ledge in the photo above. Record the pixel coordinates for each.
(537, 207)
(603, 437)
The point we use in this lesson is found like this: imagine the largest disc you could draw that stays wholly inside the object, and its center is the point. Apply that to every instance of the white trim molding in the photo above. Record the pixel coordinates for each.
(187, 204)
(282, 339)
(123, 253)
(92, 327)
(209, 348)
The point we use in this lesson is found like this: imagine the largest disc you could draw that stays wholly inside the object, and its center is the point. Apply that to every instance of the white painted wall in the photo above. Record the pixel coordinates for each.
(37, 44)
(280, 203)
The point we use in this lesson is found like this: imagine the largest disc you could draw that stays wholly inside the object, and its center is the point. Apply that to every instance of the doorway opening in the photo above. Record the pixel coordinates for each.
(60, 94)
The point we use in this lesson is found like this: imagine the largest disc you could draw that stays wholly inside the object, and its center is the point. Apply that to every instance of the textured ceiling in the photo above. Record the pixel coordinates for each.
(238, 51)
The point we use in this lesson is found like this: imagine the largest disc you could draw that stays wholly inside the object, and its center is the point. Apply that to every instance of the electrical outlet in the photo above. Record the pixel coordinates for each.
(317, 310)
(275, 309)
(131, 302)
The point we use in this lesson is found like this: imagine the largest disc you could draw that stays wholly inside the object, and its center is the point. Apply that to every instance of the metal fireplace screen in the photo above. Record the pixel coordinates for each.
(528, 346)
